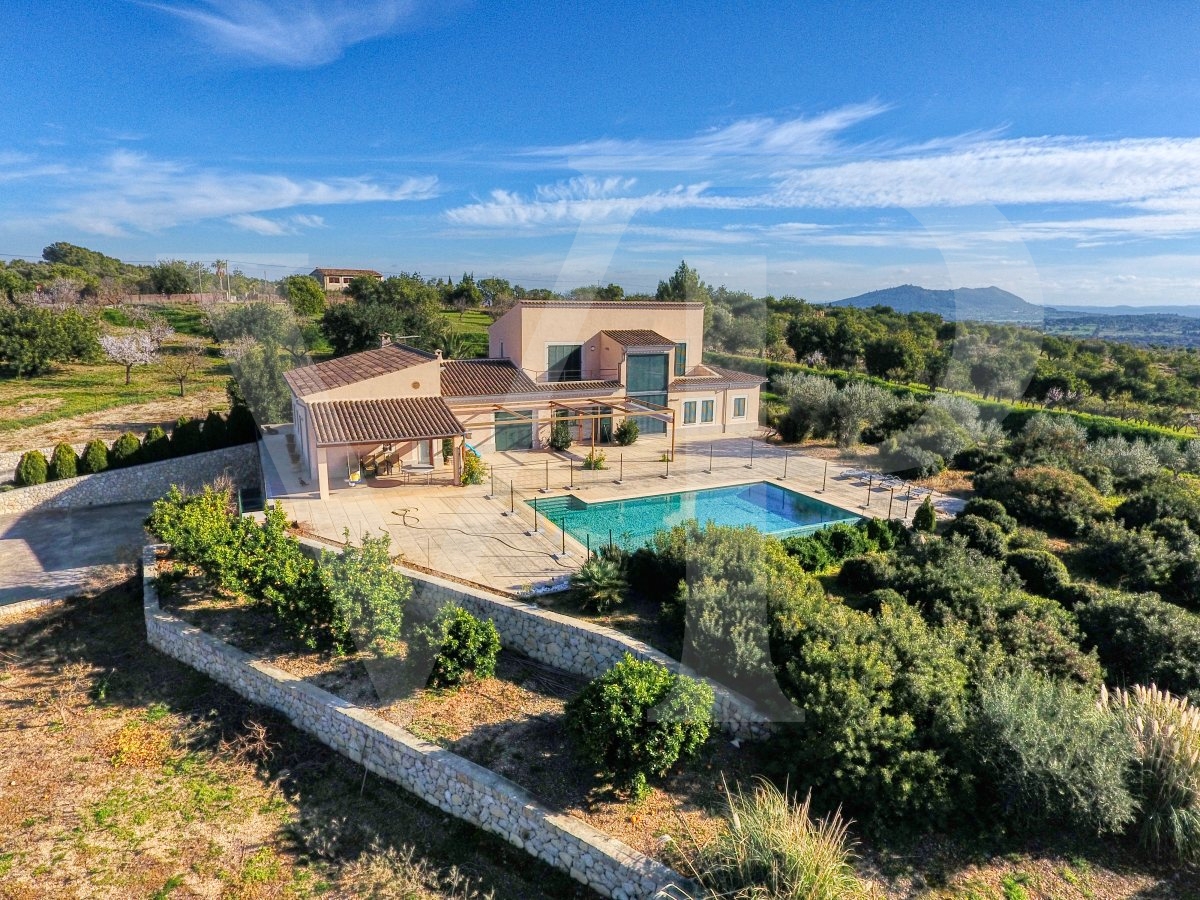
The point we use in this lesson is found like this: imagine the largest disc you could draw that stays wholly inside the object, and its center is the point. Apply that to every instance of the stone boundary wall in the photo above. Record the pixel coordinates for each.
(439, 777)
(147, 481)
(570, 644)
(10, 458)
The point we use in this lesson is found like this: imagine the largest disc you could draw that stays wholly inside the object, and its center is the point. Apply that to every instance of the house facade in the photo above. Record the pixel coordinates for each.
(339, 279)
(586, 363)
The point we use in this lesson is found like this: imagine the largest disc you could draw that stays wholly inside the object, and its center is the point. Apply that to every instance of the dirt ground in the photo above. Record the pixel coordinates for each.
(125, 774)
(107, 424)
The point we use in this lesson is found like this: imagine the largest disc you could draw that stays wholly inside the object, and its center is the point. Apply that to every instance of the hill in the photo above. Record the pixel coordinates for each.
(989, 304)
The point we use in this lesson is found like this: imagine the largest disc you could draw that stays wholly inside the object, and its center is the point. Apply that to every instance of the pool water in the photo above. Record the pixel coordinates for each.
(631, 523)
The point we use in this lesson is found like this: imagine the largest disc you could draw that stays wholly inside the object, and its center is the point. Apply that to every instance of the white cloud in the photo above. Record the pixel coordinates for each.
(131, 190)
(276, 227)
(298, 34)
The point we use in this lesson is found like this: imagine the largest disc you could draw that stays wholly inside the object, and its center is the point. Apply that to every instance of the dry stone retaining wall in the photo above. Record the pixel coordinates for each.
(572, 644)
(147, 481)
(439, 777)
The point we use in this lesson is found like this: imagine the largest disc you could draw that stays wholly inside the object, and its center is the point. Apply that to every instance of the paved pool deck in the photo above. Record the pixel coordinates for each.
(485, 535)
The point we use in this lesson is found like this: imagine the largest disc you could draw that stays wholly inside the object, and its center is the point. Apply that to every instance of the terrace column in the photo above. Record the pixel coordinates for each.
(322, 473)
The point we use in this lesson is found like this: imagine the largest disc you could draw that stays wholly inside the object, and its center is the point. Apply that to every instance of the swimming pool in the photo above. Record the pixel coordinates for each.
(631, 523)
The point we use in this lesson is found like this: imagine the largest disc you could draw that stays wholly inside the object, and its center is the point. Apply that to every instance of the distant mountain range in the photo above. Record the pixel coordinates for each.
(992, 304)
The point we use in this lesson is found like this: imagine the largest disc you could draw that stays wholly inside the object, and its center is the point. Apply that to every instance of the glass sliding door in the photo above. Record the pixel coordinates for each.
(646, 376)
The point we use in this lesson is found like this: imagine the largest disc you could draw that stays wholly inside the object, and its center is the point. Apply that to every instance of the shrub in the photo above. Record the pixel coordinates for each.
(638, 719)
(213, 431)
(460, 645)
(884, 699)
(1141, 639)
(1165, 731)
(187, 436)
(63, 462)
(1166, 498)
(594, 460)
(863, 574)
(32, 469)
(980, 534)
(368, 595)
(626, 433)
(599, 584)
(925, 518)
(473, 469)
(1051, 758)
(126, 451)
(240, 427)
(94, 457)
(155, 445)
(1045, 497)
(993, 511)
(560, 436)
(773, 847)
(1041, 572)
(811, 555)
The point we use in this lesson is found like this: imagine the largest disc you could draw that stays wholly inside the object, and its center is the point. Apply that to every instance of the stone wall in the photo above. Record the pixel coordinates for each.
(455, 785)
(148, 481)
(10, 458)
(570, 644)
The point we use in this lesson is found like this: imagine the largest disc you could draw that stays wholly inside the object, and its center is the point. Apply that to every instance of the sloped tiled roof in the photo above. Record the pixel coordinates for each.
(354, 368)
(371, 421)
(610, 304)
(484, 378)
(720, 377)
(583, 387)
(348, 272)
(639, 337)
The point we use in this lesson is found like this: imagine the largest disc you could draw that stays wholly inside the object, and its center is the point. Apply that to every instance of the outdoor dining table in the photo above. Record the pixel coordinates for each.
(418, 469)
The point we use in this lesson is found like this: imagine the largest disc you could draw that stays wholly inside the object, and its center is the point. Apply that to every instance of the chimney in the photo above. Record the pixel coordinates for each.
(437, 354)
(385, 339)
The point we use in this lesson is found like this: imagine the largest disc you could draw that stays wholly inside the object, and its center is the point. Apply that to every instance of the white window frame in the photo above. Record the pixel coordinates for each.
(711, 406)
(733, 408)
(694, 404)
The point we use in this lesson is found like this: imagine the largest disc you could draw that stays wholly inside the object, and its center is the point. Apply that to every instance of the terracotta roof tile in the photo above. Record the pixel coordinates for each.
(371, 272)
(371, 421)
(484, 378)
(639, 337)
(610, 304)
(354, 368)
(720, 377)
(583, 387)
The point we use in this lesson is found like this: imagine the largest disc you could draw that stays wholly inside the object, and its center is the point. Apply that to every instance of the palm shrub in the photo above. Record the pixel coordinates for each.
(155, 445)
(626, 433)
(1165, 731)
(94, 457)
(638, 719)
(63, 462)
(1050, 757)
(772, 846)
(126, 451)
(457, 646)
(600, 584)
(925, 518)
(367, 594)
(32, 469)
(560, 436)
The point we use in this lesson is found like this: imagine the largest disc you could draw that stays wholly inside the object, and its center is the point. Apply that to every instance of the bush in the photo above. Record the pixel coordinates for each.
(594, 460)
(126, 451)
(187, 437)
(213, 431)
(460, 646)
(155, 445)
(32, 469)
(599, 584)
(1165, 731)
(1041, 572)
(993, 511)
(94, 457)
(1141, 639)
(979, 534)
(1166, 498)
(863, 574)
(1050, 757)
(772, 847)
(473, 469)
(884, 702)
(626, 433)
(560, 436)
(925, 518)
(638, 719)
(367, 594)
(240, 427)
(63, 463)
(1049, 498)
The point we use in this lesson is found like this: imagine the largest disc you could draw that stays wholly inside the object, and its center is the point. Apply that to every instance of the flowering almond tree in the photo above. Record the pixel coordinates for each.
(138, 348)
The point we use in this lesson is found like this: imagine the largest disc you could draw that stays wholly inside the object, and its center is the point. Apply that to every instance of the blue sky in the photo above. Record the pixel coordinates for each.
(820, 151)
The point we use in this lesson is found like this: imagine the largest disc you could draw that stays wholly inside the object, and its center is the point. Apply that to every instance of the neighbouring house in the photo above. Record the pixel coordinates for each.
(590, 364)
(339, 279)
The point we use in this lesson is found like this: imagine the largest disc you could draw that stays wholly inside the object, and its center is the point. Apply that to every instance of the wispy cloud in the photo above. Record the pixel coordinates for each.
(133, 191)
(297, 34)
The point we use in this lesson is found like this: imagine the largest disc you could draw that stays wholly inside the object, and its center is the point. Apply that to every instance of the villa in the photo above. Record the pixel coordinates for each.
(339, 279)
(589, 364)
